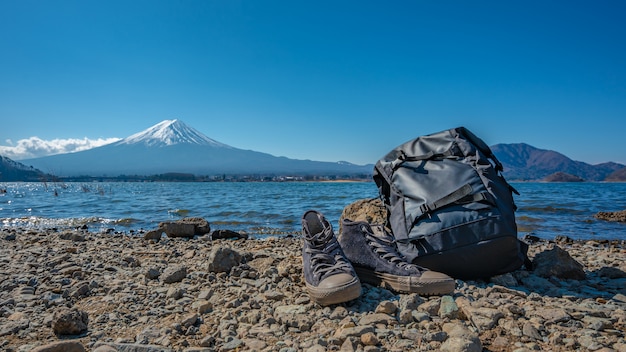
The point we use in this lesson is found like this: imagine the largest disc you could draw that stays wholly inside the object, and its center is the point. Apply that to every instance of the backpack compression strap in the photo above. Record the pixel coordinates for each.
(459, 196)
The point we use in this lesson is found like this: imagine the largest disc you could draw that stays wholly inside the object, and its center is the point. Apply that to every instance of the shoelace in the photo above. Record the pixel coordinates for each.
(384, 247)
(325, 258)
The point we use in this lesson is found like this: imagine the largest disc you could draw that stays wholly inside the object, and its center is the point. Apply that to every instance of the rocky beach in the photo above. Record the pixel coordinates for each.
(75, 290)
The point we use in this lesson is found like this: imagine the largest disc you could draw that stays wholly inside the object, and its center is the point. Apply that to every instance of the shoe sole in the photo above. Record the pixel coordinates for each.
(335, 295)
(404, 284)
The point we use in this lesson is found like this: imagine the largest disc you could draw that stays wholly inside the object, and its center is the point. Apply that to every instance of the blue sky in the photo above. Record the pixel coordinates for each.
(321, 80)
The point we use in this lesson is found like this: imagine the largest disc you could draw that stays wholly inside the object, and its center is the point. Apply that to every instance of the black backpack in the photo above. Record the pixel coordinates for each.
(449, 207)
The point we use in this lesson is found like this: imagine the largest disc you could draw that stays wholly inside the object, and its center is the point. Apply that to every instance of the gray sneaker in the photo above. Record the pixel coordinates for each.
(329, 276)
(373, 253)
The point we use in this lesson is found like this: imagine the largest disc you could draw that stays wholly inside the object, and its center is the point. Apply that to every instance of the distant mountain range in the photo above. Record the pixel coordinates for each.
(523, 162)
(173, 147)
(11, 171)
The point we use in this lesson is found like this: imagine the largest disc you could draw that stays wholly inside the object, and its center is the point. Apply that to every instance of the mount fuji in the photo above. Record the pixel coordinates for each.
(171, 146)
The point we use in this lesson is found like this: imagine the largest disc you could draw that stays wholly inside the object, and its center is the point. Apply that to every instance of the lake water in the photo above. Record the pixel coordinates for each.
(545, 209)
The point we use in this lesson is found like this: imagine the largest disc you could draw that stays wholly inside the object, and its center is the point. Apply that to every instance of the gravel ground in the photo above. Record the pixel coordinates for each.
(81, 291)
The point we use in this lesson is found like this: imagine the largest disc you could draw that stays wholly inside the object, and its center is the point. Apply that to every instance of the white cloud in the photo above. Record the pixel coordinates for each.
(35, 147)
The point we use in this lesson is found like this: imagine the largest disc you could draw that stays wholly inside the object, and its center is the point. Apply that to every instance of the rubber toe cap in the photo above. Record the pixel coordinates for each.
(434, 276)
(336, 281)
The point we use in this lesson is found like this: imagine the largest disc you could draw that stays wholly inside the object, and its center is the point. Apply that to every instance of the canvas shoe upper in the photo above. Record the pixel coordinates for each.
(376, 260)
(329, 276)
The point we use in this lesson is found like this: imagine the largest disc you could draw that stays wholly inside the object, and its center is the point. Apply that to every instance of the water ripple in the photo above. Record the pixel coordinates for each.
(544, 209)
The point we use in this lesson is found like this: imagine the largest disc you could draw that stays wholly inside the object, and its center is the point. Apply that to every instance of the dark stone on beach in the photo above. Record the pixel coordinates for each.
(154, 235)
(223, 259)
(187, 227)
(173, 229)
(60, 346)
(611, 273)
(152, 274)
(619, 216)
(227, 234)
(556, 262)
(72, 236)
(69, 322)
(370, 210)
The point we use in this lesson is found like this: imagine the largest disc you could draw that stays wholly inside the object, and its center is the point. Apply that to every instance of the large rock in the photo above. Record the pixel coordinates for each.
(223, 259)
(558, 263)
(370, 210)
(460, 339)
(69, 322)
(61, 346)
(612, 215)
(187, 227)
(174, 274)
(154, 235)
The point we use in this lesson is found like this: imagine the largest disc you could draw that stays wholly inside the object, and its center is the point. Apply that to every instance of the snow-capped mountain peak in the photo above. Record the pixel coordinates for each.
(170, 132)
(173, 147)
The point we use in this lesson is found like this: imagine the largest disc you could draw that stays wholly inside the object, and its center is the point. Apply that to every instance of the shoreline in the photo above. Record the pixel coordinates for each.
(169, 295)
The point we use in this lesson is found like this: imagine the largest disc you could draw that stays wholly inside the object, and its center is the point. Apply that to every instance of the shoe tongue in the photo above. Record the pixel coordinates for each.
(322, 238)
(379, 232)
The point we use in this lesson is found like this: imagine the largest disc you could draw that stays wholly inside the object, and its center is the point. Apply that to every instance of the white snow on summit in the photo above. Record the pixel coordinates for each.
(170, 132)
